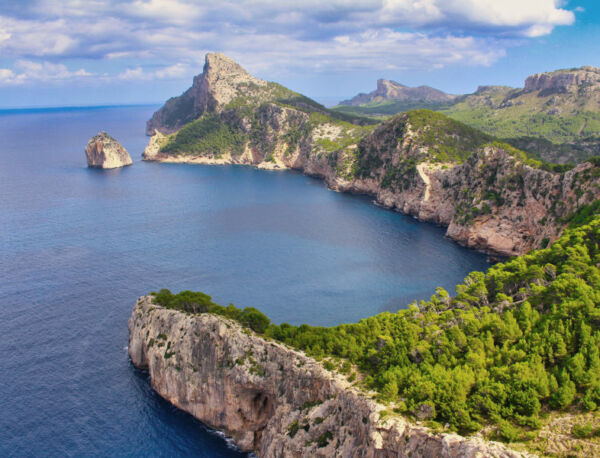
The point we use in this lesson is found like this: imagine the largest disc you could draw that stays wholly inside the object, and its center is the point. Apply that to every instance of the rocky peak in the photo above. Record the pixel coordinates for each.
(104, 152)
(221, 81)
(563, 80)
(391, 90)
(387, 88)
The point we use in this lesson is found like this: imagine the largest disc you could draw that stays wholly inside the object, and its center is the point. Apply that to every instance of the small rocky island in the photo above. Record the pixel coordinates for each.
(104, 152)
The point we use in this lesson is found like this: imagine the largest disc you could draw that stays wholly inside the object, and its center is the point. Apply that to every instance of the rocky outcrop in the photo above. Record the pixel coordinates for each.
(420, 163)
(563, 80)
(104, 152)
(391, 90)
(219, 83)
(272, 399)
(493, 201)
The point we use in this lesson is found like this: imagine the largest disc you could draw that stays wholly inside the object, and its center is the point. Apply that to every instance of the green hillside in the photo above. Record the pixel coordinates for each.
(556, 116)
(513, 345)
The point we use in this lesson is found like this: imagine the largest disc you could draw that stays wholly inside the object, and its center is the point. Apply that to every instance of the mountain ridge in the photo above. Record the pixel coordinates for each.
(557, 113)
(405, 163)
(391, 90)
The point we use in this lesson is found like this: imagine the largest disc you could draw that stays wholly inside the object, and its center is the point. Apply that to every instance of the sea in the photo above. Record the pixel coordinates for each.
(78, 246)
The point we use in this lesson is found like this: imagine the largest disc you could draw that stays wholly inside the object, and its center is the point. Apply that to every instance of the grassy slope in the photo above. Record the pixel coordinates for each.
(558, 127)
(390, 107)
(218, 133)
(512, 113)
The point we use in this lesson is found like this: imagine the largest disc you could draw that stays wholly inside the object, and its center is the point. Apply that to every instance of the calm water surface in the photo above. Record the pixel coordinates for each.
(78, 246)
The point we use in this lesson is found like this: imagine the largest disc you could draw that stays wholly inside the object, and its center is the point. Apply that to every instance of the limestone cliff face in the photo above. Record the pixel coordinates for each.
(492, 201)
(420, 163)
(564, 80)
(104, 152)
(270, 398)
(220, 82)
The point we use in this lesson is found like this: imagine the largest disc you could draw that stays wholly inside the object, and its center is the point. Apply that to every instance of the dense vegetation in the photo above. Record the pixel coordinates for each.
(515, 342)
(207, 135)
(446, 139)
(247, 120)
(196, 302)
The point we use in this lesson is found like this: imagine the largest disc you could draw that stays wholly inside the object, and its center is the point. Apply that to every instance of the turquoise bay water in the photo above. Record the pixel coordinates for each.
(78, 246)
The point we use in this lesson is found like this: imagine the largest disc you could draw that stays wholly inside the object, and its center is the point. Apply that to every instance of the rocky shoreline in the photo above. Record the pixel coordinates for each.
(489, 195)
(513, 229)
(272, 399)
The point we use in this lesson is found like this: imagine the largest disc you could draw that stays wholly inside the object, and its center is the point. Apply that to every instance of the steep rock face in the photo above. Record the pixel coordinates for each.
(492, 201)
(421, 163)
(218, 84)
(270, 398)
(104, 152)
(391, 90)
(563, 80)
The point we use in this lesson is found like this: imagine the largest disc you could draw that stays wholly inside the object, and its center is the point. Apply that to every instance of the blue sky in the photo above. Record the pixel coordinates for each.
(87, 52)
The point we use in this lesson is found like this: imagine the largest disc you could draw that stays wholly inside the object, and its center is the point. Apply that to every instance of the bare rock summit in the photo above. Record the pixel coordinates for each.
(221, 81)
(391, 90)
(104, 152)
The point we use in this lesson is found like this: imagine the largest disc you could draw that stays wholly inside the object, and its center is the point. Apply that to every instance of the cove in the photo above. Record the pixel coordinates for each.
(78, 246)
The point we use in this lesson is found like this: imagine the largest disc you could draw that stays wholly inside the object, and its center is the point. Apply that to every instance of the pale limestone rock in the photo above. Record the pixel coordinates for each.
(221, 80)
(152, 151)
(104, 152)
(255, 389)
(391, 90)
(564, 80)
(526, 214)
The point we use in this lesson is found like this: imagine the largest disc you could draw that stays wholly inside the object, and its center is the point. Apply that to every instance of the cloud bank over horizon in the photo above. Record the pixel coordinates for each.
(107, 42)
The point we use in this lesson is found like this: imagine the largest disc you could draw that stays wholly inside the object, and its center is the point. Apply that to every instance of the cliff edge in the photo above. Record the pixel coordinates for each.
(270, 398)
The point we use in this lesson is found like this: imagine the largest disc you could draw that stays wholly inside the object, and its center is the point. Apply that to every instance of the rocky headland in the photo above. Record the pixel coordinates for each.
(491, 196)
(272, 399)
(104, 152)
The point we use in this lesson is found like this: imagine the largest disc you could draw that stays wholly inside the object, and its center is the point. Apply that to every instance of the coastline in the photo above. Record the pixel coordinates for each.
(384, 200)
(273, 399)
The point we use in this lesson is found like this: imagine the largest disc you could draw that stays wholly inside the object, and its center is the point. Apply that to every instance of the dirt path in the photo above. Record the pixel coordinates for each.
(425, 178)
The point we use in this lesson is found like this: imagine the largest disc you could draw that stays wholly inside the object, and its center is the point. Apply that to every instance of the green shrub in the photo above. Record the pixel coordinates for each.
(582, 430)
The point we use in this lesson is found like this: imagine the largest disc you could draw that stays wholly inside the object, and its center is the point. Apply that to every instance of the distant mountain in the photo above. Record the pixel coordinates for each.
(391, 97)
(391, 90)
(555, 116)
(562, 107)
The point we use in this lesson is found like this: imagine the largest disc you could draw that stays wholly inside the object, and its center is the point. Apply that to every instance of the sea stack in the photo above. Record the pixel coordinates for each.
(104, 152)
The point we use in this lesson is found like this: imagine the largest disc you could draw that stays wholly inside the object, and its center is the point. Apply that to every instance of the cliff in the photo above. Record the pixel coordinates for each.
(103, 151)
(564, 80)
(391, 90)
(270, 398)
(491, 196)
(559, 112)
(221, 81)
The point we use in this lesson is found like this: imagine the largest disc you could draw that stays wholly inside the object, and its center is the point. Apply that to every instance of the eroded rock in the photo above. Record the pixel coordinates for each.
(104, 152)
(273, 399)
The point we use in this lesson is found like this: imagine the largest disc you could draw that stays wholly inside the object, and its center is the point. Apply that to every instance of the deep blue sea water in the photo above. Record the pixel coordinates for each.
(78, 246)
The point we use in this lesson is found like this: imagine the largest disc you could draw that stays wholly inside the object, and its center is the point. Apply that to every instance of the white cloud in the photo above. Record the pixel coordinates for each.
(169, 11)
(171, 72)
(166, 39)
(26, 71)
(521, 17)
